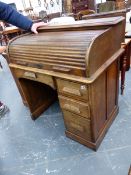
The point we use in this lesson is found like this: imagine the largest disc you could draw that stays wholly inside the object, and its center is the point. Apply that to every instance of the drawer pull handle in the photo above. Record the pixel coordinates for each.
(83, 89)
(72, 91)
(77, 127)
(30, 74)
(72, 108)
(21, 62)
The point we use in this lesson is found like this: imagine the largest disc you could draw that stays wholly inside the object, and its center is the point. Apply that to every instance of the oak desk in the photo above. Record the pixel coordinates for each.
(77, 63)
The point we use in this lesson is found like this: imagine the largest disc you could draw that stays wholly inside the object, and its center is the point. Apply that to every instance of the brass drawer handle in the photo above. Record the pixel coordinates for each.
(21, 63)
(83, 89)
(72, 91)
(30, 74)
(77, 127)
(72, 108)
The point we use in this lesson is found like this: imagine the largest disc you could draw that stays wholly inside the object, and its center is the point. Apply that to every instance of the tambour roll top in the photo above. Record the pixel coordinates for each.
(79, 49)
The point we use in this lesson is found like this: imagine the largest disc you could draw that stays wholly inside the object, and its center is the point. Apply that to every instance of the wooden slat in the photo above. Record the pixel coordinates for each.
(52, 64)
(50, 61)
(48, 55)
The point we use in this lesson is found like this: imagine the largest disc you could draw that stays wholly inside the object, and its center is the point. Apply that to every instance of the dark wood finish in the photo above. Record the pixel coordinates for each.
(69, 59)
(78, 5)
(127, 46)
(125, 62)
(75, 6)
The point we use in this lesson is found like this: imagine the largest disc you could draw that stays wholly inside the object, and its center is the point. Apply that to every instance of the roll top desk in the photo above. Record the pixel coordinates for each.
(79, 64)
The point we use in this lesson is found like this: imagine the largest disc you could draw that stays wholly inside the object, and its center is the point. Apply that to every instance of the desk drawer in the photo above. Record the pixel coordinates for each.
(74, 106)
(72, 89)
(46, 79)
(77, 125)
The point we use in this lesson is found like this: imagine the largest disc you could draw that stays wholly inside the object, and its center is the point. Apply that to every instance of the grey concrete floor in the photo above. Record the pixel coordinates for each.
(40, 147)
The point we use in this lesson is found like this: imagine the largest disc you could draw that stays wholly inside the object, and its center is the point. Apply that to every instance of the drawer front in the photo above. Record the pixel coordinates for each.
(72, 89)
(77, 125)
(74, 106)
(46, 79)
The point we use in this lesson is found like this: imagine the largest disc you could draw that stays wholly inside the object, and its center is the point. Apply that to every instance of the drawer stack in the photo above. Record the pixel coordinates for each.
(73, 98)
